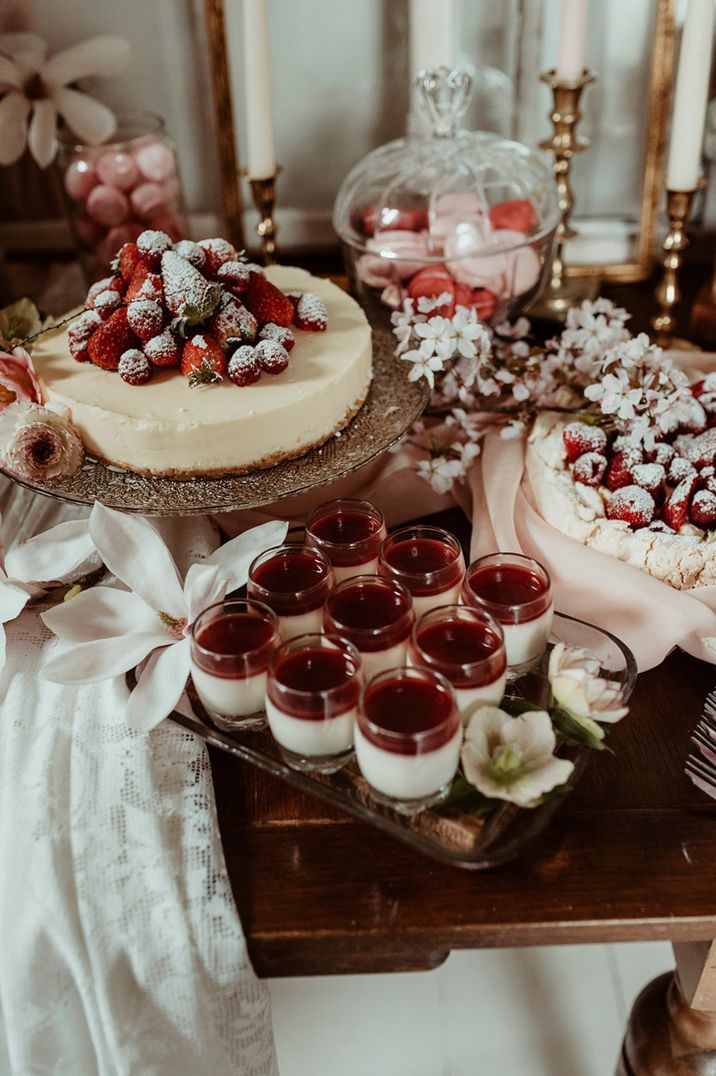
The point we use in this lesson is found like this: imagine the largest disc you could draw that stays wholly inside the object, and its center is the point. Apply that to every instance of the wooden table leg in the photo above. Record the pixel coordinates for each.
(672, 1027)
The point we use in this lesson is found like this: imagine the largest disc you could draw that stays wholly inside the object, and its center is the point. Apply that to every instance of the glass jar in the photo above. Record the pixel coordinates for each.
(116, 190)
(446, 211)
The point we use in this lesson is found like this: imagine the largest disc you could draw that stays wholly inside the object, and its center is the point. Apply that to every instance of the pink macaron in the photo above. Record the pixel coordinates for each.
(155, 161)
(147, 200)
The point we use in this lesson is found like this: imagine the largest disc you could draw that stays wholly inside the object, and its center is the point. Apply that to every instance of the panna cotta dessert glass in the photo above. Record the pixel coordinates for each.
(376, 616)
(231, 646)
(293, 580)
(517, 591)
(350, 534)
(467, 646)
(312, 693)
(408, 738)
(428, 561)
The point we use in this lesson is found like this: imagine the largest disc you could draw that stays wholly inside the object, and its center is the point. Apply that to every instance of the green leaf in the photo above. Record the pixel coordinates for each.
(578, 731)
(516, 707)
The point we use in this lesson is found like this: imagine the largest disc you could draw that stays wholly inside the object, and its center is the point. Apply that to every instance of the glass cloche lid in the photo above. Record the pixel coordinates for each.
(460, 191)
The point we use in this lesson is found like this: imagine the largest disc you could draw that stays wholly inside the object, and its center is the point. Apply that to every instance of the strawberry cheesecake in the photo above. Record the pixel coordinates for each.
(653, 509)
(190, 361)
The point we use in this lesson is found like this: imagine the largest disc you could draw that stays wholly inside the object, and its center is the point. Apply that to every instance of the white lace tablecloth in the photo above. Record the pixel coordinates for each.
(121, 949)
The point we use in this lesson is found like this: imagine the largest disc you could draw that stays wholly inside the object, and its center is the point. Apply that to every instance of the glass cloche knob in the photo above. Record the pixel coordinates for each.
(444, 93)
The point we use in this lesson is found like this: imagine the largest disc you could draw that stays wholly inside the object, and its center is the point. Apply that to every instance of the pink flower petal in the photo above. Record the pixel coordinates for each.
(42, 135)
(17, 375)
(91, 121)
(101, 56)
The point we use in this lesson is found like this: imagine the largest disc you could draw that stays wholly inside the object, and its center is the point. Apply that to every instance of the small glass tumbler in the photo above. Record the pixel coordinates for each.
(117, 190)
(428, 561)
(312, 693)
(350, 533)
(408, 737)
(231, 646)
(517, 591)
(293, 580)
(374, 614)
(467, 646)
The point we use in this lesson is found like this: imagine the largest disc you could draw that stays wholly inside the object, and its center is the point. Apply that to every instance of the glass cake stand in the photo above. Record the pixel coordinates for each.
(392, 405)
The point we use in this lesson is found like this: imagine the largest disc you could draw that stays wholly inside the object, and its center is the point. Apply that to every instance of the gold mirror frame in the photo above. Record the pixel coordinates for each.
(660, 85)
(657, 118)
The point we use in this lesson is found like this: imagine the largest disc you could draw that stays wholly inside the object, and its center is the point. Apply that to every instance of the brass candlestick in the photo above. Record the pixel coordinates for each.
(263, 192)
(560, 292)
(668, 293)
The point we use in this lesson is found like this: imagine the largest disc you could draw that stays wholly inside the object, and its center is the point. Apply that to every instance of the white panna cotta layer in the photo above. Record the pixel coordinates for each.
(423, 603)
(375, 661)
(470, 699)
(347, 571)
(228, 696)
(407, 777)
(289, 627)
(312, 739)
(525, 642)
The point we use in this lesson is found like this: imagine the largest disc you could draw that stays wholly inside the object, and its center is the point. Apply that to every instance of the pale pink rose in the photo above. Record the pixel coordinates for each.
(39, 443)
(18, 380)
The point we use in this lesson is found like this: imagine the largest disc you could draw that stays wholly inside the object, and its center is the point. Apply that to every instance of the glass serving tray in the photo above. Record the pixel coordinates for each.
(448, 833)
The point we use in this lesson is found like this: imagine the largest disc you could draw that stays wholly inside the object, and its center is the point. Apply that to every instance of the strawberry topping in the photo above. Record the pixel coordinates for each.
(109, 342)
(633, 505)
(267, 302)
(311, 314)
(579, 437)
(134, 367)
(272, 356)
(703, 508)
(589, 468)
(278, 333)
(244, 366)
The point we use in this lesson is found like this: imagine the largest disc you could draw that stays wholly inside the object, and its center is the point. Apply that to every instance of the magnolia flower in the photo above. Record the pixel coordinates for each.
(57, 556)
(36, 89)
(512, 758)
(577, 687)
(39, 443)
(110, 630)
(18, 380)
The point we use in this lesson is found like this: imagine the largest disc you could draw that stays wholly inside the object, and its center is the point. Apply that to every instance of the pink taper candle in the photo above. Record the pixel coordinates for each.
(572, 38)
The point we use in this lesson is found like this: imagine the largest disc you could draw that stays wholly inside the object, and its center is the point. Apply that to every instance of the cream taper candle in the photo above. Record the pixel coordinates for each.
(433, 34)
(260, 153)
(692, 84)
(572, 39)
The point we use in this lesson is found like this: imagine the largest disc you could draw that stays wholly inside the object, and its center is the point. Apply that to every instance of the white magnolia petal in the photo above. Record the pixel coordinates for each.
(13, 600)
(42, 133)
(102, 56)
(56, 554)
(10, 76)
(26, 50)
(3, 647)
(160, 688)
(103, 659)
(235, 557)
(102, 613)
(134, 552)
(204, 585)
(91, 121)
(14, 109)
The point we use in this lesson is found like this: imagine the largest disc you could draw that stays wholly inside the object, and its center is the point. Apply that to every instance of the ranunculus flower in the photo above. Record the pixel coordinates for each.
(580, 690)
(512, 758)
(39, 443)
(18, 380)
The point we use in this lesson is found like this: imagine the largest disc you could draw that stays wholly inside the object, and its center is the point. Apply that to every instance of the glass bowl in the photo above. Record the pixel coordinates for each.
(469, 215)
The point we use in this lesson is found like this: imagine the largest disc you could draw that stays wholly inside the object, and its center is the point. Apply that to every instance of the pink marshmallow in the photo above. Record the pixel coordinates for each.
(107, 205)
(147, 200)
(155, 161)
(117, 169)
(80, 178)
